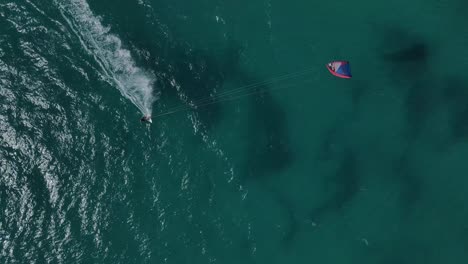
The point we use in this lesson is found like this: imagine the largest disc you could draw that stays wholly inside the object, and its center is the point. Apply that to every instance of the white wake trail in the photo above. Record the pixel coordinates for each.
(116, 62)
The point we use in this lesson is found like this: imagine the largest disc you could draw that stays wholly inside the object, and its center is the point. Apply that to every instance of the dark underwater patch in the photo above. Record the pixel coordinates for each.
(414, 52)
(455, 95)
(410, 184)
(408, 62)
(408, 58)
(422, 100)
(400, 45)
(460, 124)
(268, 142)
(345, 183)
(358, 90)
(407, 54)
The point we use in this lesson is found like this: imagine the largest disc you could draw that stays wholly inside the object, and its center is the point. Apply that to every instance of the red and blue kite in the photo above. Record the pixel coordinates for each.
(340, 69)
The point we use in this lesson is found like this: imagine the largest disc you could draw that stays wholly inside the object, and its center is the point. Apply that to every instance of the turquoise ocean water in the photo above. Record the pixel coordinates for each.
(309, 169)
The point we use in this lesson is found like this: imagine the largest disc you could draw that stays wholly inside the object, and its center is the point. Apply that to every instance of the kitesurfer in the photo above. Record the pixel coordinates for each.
(146, 119)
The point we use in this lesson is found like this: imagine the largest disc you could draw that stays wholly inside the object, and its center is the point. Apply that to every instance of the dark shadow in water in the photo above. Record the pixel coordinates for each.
(422, 100)
(408, 55)
(410, 184)
(460, 8)
(405, 53)
(409, 63)
(455, 95)
(268, 141)
(402, 46)
(359, 89)
(346, 183)
(414, 52)
(460, 124)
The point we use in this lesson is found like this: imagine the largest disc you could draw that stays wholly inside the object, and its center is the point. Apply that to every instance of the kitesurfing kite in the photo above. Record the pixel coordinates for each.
(340, 69)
